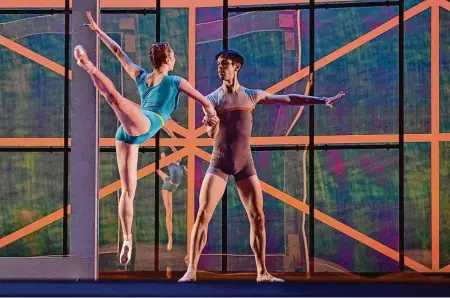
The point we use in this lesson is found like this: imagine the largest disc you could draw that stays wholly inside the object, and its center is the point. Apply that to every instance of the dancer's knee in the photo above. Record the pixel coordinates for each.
(128, 193)
(203, 218)
(257, 219)
(169, 215)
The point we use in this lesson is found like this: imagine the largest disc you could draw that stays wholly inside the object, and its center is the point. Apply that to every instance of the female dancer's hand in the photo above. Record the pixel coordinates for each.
(92, 24)
(212, 126)
(210, 111)
(331, 100)
(211, 121)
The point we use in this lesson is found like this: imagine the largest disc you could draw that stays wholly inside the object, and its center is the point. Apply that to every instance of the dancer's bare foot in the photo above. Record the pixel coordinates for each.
(169, 245)
(189, 276)
(83, 60)
(266, 277)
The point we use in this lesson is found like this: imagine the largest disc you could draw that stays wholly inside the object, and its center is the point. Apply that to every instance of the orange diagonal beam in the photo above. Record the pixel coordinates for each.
(340, 52)
(364, 239)
(33, 227)
(14, 46)
(435, 137)
(51, 218)
(444, 4)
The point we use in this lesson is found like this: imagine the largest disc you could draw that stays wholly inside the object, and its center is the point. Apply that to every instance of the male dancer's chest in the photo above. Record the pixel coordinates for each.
(235, 111)
(233, 102)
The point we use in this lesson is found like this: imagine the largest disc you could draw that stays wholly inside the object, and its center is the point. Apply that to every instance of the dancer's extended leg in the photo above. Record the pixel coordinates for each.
(129, 113)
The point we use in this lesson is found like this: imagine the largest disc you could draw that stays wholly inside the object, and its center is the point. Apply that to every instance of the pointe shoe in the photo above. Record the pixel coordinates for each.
(169, 245)
(266, 277)
(125, 253)
(78, 53)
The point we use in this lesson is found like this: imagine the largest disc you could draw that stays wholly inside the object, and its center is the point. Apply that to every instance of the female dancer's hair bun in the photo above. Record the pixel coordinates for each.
(159, 52)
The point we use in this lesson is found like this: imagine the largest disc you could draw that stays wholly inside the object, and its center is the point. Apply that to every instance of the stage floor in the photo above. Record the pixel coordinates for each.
(228, 287)
(290, 277)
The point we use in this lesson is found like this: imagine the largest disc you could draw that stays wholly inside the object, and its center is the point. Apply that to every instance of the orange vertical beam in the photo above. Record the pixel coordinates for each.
(191, 130)
(435, 136)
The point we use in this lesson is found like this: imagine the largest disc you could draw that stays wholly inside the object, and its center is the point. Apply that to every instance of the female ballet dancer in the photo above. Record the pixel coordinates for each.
(159, 94)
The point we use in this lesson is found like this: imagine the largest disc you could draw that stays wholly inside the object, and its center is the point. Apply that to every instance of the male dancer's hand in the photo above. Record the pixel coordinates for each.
(331, 100)
(92, 24)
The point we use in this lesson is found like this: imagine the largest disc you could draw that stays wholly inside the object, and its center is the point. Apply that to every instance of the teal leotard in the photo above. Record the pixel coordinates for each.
(157, 104)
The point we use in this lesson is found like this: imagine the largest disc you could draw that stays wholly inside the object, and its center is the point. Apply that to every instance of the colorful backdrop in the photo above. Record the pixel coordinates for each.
(356, 191)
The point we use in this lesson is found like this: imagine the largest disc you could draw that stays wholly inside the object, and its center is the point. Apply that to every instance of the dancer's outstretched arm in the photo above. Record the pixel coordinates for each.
(132, 69)
(297, 99)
